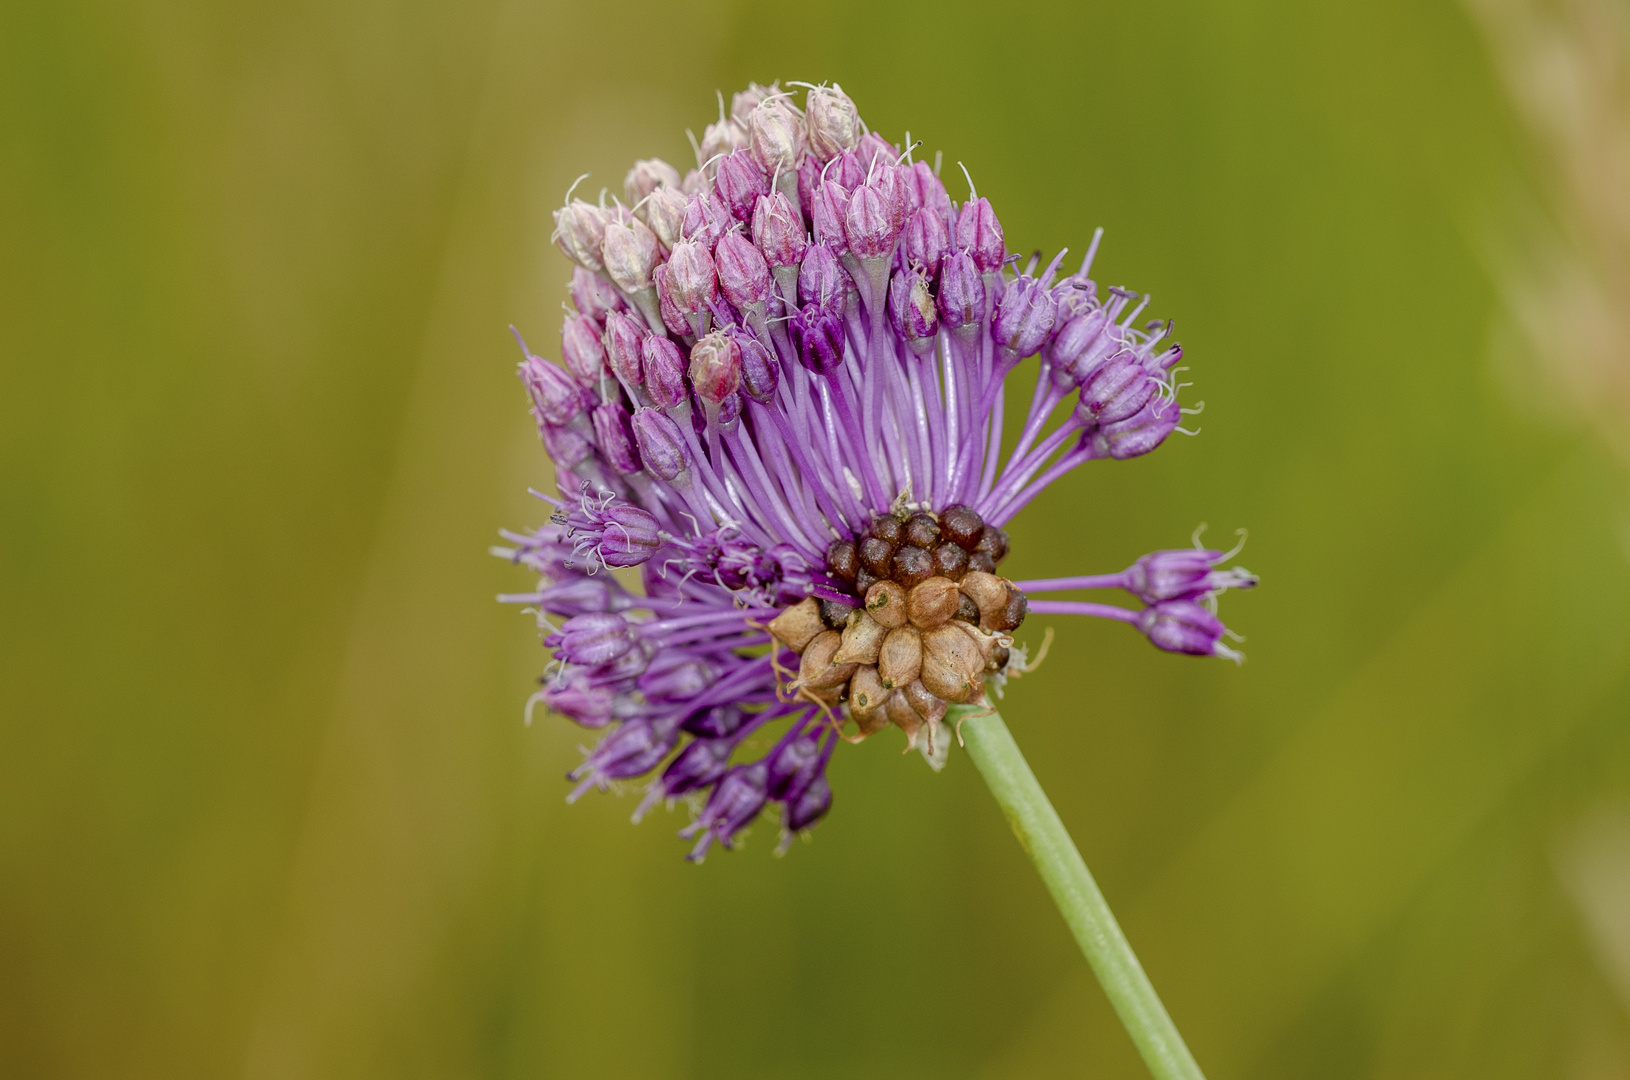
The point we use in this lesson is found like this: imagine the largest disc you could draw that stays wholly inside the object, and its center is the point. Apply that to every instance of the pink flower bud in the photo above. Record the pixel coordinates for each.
(580, 229)
(744, 102)
(739, 183)
(1142, 432)
(847, 171)
(869, 226)
(923, 189)
(833, 122)
(630, 253)
(646, 176)
(962, 291)
(874, 148)
(760, 372)
(722, 138)
(775, 134)
(705, 220)
(925, 241)
(1024, 317)
(692, 278)
(980, 233)
(1079, 345)
(778, 230)
(664, 212)
(663, 366)
(555, 397)
(566, 447)
(822, 280)
(580, 348)
(661, 444)
(715, 367)
(886, 180)
(594, 295)
(673, 320)
(1114, 391)
(616, 441)
(744, 277)
(912, 310)
(809, 178)
(827, 213)
(622, 339)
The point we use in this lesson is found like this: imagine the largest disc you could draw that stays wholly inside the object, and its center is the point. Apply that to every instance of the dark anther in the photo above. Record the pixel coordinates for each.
(993, 542)
(843, 559)
(912, 566)
(834, 614)
(888, 527)
(967, 610)
(875, 554)
(950, 561)
(922, 530)
(962, 524)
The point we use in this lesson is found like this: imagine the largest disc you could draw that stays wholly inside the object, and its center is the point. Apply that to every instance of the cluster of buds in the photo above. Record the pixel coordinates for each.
(781, 398)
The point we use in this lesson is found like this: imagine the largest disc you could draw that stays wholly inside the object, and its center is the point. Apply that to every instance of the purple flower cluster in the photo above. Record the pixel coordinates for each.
(782, 400)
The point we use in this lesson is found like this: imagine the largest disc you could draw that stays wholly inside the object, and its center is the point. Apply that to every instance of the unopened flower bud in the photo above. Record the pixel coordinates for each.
(661, 445)
(833, 122)
(1115, 390)
(705, 220)
(886, 181)
(593, 295)
(775, 134)
(809, 178)
(1142, 432)
(673, 320)
(621, 340)
(1184, 574)
(868, 225)
(818, 335)
(912, 310)
(663, 366)
(611, 431)
(822, 280)
(1079, 345)
(555, 396)
(664, 211)
(566, 446)
(778, 230)
(827, 213)
(925, 241)
(722, 138)
(595, 638)
(1024, 317)
(1184, 626)
(924, 190)
(744, 277)
(962, 291)
(872, 150)
(809, 806)
(581, 349)
(794, 765)
(846, 170)
(580, 595)
(646, 176)
(978, 231)
(697, 766)
(582, 703)
(760, 370)
(630, 254)
(636, 747)
(676, 676)
(715, 367)
(580, 230)
(739, 184)
(730, 411)
(692, 277)
(735, 802)
(743, 102)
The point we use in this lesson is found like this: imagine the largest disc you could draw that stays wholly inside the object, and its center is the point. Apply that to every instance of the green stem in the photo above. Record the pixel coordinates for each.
(1044, 839)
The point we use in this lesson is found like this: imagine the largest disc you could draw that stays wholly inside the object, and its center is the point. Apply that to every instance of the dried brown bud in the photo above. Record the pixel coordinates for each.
(953, 664)
(932, 603)
(900, 660)
(816, 668)
(630, 254)
(580, 230)
(862, 640)
(867, 697)
(886, 602)
(797, 626)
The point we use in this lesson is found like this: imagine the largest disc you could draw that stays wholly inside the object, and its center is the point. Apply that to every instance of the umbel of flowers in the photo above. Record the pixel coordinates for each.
(782, 400)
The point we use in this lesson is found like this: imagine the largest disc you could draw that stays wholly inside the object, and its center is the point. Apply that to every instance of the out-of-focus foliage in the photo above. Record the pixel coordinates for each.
(266, 804)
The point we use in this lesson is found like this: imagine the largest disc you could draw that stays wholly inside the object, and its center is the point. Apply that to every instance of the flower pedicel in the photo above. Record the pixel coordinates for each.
(782, 400)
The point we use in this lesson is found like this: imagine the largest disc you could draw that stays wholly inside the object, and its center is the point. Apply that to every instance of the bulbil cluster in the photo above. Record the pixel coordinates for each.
(781, 398)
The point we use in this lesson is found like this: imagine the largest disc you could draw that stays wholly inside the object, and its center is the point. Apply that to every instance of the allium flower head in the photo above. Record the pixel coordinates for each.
(782, 401)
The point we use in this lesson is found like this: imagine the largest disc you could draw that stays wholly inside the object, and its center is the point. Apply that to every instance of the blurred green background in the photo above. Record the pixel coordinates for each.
(267, 807)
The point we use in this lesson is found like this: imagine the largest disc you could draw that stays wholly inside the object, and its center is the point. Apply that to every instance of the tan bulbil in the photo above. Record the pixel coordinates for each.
(862, 640)
(901, 658)
(886, 602)
(816, 669)
(867, 700)
(797, 626)
(928, 706)
(904, 717)
(932, 603)
(953, 666)
(986, 590)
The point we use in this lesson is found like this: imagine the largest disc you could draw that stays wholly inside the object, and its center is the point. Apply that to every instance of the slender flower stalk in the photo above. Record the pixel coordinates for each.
(781, 405)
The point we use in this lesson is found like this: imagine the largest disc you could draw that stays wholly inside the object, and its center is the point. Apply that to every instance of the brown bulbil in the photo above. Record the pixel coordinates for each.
(953, 667)
(835, 614)
(963, 525)
(912, 566)
(900, 659)
(865, 580)
(816, 669)
(886, 602)
(862, 640)
(876, 554)
(922, 530)
(867, 697)
(967, 610)
(888, 528)
(998, 658)
(950, 560)
(1010, 614)
(797, 626)
(932, 603)
(843, 559)
(904, 717)
(982, 562)
(928, 706)
(993, 542)
(987, 591)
